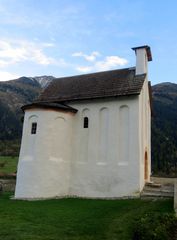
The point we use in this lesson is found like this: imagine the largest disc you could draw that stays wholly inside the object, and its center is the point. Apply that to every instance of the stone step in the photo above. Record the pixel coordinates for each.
(153, 185)
(157, 195)
(152, 190)
(162, 189)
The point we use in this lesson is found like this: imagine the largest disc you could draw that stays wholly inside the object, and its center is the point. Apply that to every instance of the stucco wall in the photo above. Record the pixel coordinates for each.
(105, 160)
(145, 134)
(105, 157)
(44, 162)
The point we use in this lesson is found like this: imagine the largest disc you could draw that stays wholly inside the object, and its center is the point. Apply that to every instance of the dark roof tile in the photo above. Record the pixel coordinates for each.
(121, 82)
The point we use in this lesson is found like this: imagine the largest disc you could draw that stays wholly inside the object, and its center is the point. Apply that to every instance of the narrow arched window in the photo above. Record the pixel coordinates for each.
(86, 122)
(33, 127)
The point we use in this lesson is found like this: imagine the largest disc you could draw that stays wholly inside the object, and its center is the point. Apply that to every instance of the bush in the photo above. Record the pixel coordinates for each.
(155, 227)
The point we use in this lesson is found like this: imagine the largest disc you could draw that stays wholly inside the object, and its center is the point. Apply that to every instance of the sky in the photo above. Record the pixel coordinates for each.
(73, 37)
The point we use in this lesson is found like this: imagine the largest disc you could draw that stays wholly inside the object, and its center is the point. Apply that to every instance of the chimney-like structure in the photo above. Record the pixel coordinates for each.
(143, 55)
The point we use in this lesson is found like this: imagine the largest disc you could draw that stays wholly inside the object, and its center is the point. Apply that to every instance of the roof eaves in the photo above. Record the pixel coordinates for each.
(128, 93)
(49, 105)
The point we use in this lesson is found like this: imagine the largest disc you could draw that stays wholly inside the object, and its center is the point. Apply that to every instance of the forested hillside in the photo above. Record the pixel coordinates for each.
(164, 129)
(15, 93)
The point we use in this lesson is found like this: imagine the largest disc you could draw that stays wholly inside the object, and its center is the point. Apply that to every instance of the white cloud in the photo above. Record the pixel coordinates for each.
(14, 51)
(4, 76)
(84, 69)
(108, 63)
(90, 58)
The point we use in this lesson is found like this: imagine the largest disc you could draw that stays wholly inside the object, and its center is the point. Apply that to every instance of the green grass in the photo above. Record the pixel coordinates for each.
(8, 164)
(74, 219)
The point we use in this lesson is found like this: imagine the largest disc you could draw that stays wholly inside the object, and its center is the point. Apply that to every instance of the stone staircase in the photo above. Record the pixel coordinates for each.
(155, 191)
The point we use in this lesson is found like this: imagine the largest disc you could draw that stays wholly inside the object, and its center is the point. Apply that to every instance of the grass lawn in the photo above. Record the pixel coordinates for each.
(74, 219)
(8, 164)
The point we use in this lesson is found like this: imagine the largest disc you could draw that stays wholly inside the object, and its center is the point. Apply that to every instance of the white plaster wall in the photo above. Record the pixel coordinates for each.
(44, 162)
(141, 61)
(102, 161)
(100, 172)
(145, 132)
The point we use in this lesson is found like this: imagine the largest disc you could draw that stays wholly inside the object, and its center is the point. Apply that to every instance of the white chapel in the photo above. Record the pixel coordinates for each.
(89, 136)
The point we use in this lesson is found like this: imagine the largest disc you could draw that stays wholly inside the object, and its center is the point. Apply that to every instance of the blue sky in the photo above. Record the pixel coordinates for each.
(63, 38)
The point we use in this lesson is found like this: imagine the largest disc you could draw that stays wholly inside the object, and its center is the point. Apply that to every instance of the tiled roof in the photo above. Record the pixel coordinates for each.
(49, 105)
(113, 83)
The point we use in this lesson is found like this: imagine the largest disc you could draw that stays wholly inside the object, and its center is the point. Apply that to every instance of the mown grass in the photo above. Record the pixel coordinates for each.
(74, 219)
(8, 164)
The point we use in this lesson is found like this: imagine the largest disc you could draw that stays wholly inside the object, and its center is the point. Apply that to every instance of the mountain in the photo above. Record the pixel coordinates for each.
(14, 94)
(164, 128)
(44, 80)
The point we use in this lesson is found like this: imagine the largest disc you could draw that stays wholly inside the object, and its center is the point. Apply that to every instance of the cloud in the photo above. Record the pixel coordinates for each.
(14, 51)
(90, 58)
(108, 63)
(4, 76)
(84, 69)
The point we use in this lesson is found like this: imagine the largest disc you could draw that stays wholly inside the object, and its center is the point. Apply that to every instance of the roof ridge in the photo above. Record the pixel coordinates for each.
(95, 73)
